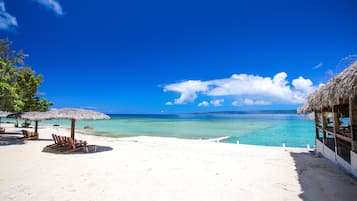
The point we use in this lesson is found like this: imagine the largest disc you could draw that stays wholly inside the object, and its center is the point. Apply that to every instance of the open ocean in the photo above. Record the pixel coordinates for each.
(256, 129)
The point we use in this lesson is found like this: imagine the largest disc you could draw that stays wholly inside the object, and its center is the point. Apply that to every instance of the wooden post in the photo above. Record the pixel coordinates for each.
(316, 125)
(36, 125)
(335, 125)
(324, 125)
(353, 123)
(73, 127)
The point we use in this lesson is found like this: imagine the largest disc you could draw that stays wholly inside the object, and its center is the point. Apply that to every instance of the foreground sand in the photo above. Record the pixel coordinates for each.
(151, 168)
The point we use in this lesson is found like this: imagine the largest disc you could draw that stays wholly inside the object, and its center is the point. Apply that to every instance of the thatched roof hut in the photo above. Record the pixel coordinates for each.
(335, 111)
(337, 91)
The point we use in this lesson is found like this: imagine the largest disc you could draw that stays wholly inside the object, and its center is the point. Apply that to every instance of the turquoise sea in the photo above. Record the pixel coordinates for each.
(256, 129)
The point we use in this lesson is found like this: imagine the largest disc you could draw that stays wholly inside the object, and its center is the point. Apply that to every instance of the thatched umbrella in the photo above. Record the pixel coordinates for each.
(76, 114)
(37, 116)
(16, 116)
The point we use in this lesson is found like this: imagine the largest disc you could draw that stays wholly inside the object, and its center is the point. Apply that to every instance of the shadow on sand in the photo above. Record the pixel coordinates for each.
(61, 150)
(11, 139)
(320, 179)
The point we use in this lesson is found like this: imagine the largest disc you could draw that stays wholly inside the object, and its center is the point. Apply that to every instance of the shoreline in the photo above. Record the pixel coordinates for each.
(213, 140)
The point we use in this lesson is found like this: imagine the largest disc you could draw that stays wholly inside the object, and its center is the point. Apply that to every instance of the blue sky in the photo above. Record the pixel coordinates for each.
(181, 56)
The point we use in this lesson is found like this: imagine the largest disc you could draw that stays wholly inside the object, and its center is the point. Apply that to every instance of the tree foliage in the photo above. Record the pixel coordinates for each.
(18, 83)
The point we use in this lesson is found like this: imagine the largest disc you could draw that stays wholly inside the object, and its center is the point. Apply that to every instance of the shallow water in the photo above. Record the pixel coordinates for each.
(257, 129)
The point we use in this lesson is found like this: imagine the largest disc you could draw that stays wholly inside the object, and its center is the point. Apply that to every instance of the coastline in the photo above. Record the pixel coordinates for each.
(271, 130)
(162, 168)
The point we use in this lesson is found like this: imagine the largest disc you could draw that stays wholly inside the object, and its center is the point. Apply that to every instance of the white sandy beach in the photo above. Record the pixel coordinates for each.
(152, 168)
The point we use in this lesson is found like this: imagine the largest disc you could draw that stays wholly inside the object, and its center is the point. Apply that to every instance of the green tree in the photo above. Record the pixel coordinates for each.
(9, 99)
(18, 83)
(26, 87)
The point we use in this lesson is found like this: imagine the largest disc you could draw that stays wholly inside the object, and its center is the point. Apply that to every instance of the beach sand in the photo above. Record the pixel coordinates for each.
(153, 168)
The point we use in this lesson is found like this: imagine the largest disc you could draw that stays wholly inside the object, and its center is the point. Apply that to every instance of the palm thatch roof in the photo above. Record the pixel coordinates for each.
(337, 91)
(66, 113)
(77, 114)
(37, 116)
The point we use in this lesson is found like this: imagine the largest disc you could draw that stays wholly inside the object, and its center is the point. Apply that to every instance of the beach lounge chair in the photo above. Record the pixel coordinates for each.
(63, 141)
(67, 144)
(27, 135)
(56, 142)
(75, 146)
(54, 137)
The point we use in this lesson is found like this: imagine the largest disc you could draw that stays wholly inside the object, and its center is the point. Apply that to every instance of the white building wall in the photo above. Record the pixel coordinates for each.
(354, 163)
(332, 156)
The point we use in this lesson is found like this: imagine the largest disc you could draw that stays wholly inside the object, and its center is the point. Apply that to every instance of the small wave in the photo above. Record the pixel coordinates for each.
(218, 139)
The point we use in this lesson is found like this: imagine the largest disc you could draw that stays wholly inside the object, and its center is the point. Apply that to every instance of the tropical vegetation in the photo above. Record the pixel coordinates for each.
(19, 83)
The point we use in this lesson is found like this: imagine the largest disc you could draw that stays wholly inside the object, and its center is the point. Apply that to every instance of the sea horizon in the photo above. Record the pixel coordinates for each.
(267, 111)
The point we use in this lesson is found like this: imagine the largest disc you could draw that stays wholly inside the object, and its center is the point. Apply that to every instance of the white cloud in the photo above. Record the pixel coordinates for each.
(250, 102)
(7, 21)
(188, 90)
(217, 102)
(317, 66)
(263, 90)
(203, 104)
(168, 103)
(236, 103)
(303, 86)
(52, 5)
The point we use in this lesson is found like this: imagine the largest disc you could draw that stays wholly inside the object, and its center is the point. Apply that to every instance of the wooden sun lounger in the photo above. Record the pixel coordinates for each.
(29, 135)
(61, 144)
(56, 142)
(76, 146)
(67, 144)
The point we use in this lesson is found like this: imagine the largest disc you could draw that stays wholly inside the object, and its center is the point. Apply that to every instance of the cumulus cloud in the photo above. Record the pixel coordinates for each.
(261, 90)
(217, 102)
(52, 5)
(203, 104)
(7, 21)
(302, 84)
(188, 90)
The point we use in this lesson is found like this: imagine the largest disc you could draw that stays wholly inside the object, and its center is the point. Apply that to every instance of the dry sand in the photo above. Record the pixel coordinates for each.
(152, 168)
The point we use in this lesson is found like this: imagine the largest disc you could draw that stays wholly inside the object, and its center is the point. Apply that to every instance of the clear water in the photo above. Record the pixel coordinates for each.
(257, 129)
